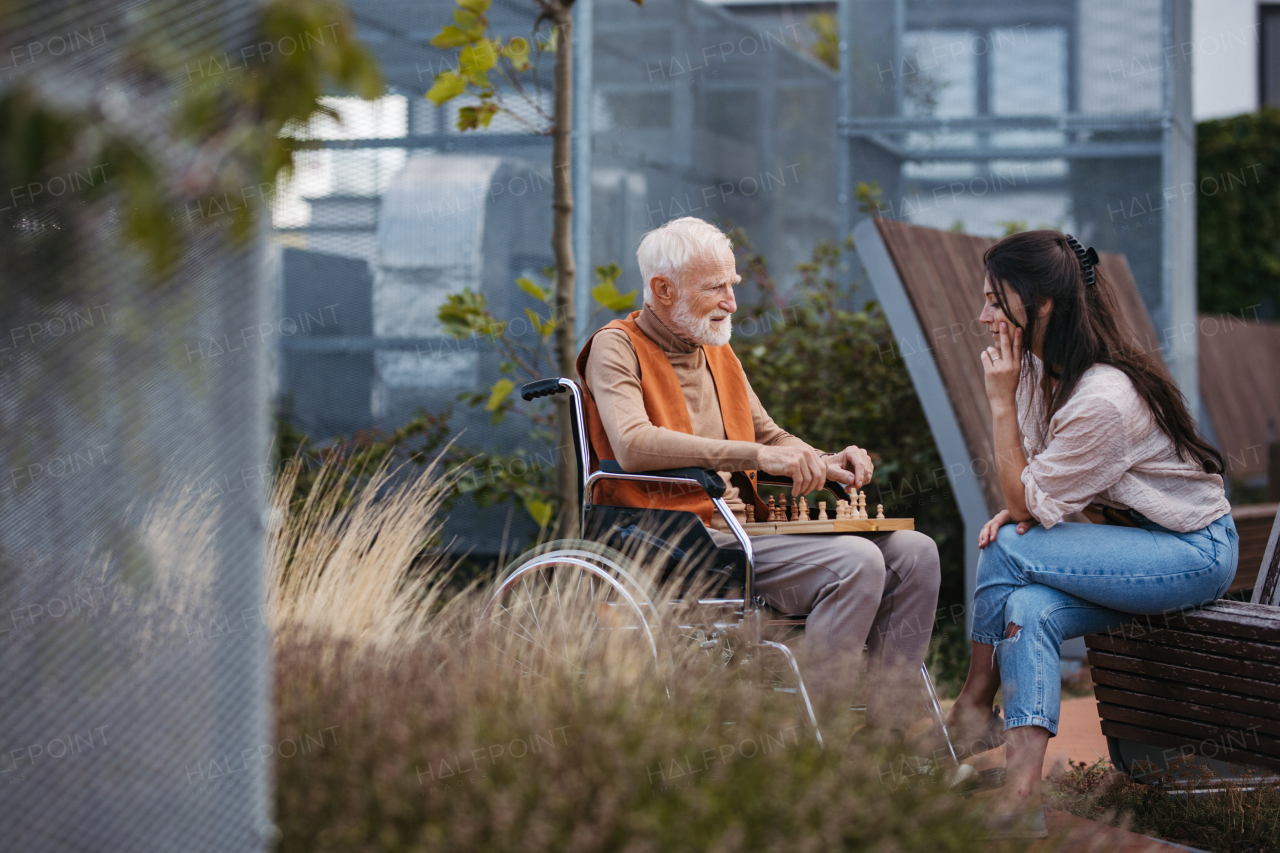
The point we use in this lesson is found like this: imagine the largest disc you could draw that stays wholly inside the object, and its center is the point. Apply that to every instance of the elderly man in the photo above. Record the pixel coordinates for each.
(664, 390)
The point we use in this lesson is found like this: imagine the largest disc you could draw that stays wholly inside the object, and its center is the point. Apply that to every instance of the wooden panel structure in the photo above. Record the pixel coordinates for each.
(1238, 363)
(942, 273)
(1203, 682)
(1253, 523)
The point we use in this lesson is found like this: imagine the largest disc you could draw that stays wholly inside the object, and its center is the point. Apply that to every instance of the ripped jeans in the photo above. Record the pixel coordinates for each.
(1077, 579)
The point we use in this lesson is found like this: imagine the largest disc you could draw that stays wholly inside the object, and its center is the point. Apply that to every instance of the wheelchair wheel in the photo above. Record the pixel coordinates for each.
(572, 606)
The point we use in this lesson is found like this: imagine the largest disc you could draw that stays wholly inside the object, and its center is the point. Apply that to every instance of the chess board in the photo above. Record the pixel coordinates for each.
(843, 525)
(789, 515)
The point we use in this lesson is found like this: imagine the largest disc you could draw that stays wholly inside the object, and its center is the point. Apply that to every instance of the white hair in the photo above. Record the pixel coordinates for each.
(668, 249)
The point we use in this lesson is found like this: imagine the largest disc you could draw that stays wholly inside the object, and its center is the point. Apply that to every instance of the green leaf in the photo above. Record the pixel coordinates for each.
(500, 391)
(451, 36)
(475, 7)
(609, 272)
(532, 289)
(470, 118)
(448, 85)
(606, 292)
(478, 58)
(465, 20)
(544, 327)
(465, 313)
(517, 51)
(540, 510)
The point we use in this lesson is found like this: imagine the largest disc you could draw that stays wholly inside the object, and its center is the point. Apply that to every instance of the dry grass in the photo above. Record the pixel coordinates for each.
(354, 571)
(555, 734)
(1239, 817)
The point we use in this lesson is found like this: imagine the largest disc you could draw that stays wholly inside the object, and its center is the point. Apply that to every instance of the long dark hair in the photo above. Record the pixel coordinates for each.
(1083, 329)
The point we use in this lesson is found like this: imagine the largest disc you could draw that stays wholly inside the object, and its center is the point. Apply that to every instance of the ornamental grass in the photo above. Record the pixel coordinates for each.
(449, 733)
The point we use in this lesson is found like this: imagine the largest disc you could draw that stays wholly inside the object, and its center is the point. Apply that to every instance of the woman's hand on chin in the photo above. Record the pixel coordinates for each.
(1002, 366)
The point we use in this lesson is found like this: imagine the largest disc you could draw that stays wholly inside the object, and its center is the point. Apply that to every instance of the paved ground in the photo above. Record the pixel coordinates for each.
(1079, 737)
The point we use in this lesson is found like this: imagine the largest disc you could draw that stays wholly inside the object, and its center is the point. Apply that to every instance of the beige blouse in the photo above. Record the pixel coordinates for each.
(1103, 446)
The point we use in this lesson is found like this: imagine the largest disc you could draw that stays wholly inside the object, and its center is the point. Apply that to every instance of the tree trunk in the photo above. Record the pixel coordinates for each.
(566, 270)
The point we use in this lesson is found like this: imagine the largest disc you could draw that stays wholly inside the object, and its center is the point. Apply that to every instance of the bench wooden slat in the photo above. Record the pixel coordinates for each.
(1180, 692)
(1175, 742)
(1227, 738)
(1189, 710)
(1184, 657)
(1196, 641)
(1225, 618)
(1172, 672)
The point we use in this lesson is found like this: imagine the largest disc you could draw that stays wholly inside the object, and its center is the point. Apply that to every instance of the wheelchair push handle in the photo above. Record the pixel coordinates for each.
(706, 478)
(541, 388)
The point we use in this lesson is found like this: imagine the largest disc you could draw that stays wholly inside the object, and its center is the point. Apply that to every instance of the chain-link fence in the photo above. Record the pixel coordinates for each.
(133, 643)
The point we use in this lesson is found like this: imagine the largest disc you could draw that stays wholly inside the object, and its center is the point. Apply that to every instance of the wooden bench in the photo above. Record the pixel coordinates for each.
(1202, 685)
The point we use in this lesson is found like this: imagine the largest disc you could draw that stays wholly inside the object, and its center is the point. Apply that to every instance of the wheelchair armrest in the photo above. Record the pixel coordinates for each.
(706, 478)
(832, 486)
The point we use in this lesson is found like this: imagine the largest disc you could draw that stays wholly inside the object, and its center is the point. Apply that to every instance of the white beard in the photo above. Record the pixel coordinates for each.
(700, 330)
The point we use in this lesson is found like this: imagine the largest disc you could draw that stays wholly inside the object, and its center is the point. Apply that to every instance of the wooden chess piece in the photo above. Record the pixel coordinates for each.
(879, 510)
(862, 505)
(803, 514)
(822, 511)
(773, 513)
(751, 514)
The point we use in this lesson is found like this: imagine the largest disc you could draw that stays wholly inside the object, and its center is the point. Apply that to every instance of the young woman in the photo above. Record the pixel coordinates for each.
(1083, 421)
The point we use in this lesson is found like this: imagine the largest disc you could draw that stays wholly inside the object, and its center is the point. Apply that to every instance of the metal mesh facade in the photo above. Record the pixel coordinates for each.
(132, 645)
(978, 114)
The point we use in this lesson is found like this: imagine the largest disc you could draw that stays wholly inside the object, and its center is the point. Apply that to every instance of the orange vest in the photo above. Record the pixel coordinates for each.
(664, 403)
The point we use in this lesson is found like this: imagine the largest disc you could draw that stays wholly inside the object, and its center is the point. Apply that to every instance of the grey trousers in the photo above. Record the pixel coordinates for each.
(878, 589)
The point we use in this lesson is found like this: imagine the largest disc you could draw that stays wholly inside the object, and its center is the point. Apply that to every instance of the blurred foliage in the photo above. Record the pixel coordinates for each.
(133, 159)
(513, 61)
(831, 374)
(826, 39)
(526, 359)
(1238, 213)
(488, 478)
(440, 749)
(355, 458)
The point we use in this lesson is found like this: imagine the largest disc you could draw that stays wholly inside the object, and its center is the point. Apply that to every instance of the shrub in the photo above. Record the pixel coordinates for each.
(1237, 217)
(437, 735)
(1237, 817)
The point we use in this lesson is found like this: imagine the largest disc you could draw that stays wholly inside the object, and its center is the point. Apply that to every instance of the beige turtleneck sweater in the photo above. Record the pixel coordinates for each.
(613, 379)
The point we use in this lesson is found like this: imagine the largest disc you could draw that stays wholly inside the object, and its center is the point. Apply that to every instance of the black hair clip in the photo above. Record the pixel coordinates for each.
(1088, 260)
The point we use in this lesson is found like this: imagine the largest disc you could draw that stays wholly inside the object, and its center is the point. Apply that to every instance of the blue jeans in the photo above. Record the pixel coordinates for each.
(1077, 579)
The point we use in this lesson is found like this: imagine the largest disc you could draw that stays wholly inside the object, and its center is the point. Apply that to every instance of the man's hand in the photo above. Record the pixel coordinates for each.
(808, 471)
(851, 461)
(992, 527)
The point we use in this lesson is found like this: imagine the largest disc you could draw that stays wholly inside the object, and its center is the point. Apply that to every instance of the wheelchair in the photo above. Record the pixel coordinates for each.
(725, 604)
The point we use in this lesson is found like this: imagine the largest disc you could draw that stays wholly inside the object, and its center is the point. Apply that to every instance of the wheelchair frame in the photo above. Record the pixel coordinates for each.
(749, 610)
